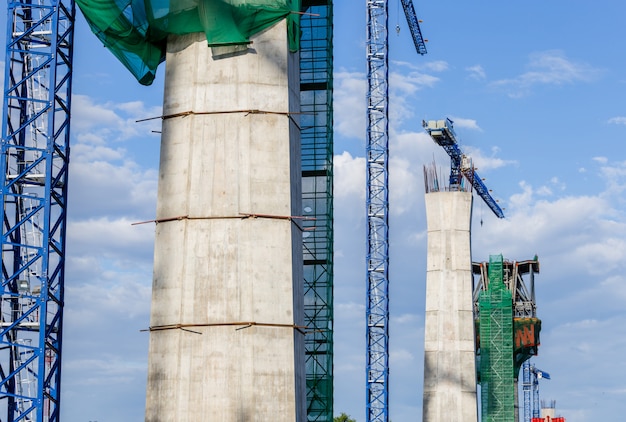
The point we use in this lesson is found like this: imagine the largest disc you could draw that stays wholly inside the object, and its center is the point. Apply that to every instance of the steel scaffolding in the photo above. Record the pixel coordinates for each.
(316, 120)
(496, 347)
(526, 325)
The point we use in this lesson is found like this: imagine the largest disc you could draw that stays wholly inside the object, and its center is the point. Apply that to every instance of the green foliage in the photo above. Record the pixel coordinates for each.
(343, 418)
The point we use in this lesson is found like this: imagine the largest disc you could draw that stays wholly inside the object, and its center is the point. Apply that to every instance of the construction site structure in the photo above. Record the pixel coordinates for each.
(254, 88)
(35, 148)
(531, 377)
(316, 134)
(227, 317)
(377, 202)
(449, 344)
(548, 413)
(33, 175)
(497, 389)
(449, 362)
(518, 278)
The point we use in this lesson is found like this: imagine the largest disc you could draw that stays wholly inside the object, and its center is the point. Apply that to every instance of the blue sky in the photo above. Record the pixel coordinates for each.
(536, 92)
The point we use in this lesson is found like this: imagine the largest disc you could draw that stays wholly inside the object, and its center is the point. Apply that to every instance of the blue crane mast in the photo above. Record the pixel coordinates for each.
(377, 203)
(532, 375)
(442, 132)
(33, 179)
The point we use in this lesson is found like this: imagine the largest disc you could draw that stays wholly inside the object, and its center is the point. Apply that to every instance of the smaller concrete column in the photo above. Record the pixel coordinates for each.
(449, 354)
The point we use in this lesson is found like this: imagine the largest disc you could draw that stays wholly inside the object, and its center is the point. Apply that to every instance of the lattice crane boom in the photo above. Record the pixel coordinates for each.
(377, 203)
(442, 132)
(414, 26)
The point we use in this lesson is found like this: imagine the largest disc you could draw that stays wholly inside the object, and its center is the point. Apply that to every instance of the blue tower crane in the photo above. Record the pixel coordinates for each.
(33, 178)
(532, 375)
(377, 203)
(442, 132)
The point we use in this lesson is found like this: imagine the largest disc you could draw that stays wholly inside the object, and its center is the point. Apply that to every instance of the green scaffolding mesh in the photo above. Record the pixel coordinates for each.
(496, 347)
(316, 123)
(136, 31)
(526, 333)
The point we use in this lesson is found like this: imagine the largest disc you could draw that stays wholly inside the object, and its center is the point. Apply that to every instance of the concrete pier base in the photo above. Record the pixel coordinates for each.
(449, 362)
(226, 343)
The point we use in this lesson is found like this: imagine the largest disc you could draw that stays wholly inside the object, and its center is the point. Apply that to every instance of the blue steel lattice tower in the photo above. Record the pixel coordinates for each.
(377, 220)
(33, 175)
(377, 202)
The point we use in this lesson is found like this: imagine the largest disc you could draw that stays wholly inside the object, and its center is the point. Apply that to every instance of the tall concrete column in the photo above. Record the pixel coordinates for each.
(449, 363)
(226, 342)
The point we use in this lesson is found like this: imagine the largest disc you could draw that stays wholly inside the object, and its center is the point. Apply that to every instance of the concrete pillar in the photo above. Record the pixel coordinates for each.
(449, 363)
(227, 305)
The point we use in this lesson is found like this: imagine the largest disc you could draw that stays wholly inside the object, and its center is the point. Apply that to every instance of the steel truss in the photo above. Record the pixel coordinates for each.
(33, 175)
(316, 121)
(377, 219)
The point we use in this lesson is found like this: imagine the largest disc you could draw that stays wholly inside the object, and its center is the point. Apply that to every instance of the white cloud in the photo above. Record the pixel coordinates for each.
(102, 187)
(92, 149)
(484, 163)
(407, 84)
(460, 122)
(406, 318)
(350, 93)
(618, 120)
(593, 349)
(349, 176)
(476, 72)
(547, 68)
(117, 238)
(615, 176)
(401, 357)
(349, 104)
(436, 66)
(105, 123)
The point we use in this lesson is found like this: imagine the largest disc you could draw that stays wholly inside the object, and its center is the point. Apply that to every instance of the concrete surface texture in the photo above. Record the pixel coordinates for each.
(232, 282)
(449, 364)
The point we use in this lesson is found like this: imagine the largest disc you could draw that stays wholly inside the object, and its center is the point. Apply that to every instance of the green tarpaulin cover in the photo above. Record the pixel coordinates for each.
(135, 31)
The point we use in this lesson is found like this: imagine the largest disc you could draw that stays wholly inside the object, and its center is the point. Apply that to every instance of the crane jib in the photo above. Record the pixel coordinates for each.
(442, 132)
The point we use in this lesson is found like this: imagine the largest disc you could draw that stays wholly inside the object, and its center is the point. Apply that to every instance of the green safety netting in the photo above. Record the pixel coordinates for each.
(135, 31)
